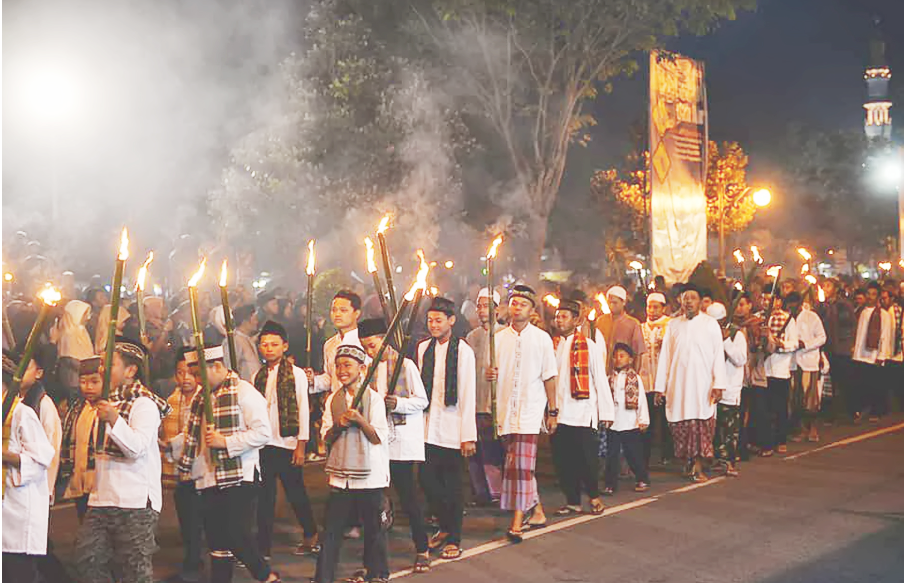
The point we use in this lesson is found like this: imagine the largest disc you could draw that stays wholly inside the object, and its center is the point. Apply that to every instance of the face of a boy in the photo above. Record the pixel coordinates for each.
(348, 370)
(91, 385)
(372, 345)
(621, 359)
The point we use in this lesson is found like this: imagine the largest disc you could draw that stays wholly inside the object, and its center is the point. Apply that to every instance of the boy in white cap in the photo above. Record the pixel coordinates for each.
(728, 409)
(620, 327)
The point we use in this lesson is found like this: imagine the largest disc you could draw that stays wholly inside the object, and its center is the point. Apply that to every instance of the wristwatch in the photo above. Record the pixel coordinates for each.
(553, 413)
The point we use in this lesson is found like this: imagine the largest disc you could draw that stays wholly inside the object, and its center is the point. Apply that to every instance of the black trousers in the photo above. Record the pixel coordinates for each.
(772, 420)
(276, 463)
(402, 476)
(631, 443)
(20, 567)
(747, 433)
(844, 395)
(227, 522)
(188, 511)
(872, 388)
(342, 507)
(575, 452)
(659, 426)
(441, 477)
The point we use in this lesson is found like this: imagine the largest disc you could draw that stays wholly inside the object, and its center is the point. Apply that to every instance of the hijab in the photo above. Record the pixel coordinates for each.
(75, 341)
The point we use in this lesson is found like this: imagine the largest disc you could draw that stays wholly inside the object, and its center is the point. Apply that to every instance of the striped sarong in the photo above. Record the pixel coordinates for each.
(519, 480)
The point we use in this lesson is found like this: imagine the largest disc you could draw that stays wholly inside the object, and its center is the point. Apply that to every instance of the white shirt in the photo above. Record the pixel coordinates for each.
(26, 500)
(378, 454)
(328, 380)
(861, 352)
(525, 360)
(778, 364)
(582, 412)
(451, 426)
(652, 337)
(301, 397)
(406, 442)
(53, 428)
(811, 332)
(691, 364)
(479, 341)
(735, 362)
(133, 480)
(628, 419)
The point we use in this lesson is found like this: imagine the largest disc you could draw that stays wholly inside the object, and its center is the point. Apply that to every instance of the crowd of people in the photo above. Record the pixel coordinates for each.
(708, 378)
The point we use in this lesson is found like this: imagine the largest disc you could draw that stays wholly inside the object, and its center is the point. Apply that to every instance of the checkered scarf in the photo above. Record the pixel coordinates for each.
(579, 364)
(897, 311)
(632, 388)
(68, 445)
(286, 399)
(227, 420)
(778, 321)
(123, 398)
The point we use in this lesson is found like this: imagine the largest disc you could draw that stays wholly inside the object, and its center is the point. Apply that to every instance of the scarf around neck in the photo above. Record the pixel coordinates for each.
(874, 329)
(579, 365)
(450, 398)
(286, 400)
(632, 389)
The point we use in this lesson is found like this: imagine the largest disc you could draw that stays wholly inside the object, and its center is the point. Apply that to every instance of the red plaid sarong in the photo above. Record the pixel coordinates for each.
(693, 437)
(579, 364)
(519, 481)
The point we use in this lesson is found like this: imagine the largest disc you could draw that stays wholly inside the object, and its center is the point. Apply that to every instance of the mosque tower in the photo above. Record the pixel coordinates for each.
(877, 122)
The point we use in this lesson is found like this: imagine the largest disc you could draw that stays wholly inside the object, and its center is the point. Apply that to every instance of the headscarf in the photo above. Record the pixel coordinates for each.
(75, 341)
(103, 323)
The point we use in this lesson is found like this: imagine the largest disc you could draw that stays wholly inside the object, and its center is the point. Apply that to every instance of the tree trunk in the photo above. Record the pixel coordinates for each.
(537, 228)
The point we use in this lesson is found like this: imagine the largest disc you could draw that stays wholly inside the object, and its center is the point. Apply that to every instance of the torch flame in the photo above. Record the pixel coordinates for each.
(551, 300)
(739, 256)
(143, 271)
(756, 253)
(384, 224)
(223, 274)
(124, 245)
(420, 281)
(811, 279)
(193, 282)
(50, 295)
(805, 268)
(804, 253)
(310, 268)
(434, 291)
(592, 315)
(822, 295)
(604, 305)
(491, 254)
(636, 265)
(885, 266)
(371, 264)
(774, 271)
(739, 286)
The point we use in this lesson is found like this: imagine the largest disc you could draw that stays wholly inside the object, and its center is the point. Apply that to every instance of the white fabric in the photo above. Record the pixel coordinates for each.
(133, 480)
(304, 414)
(735, 363)
(628, 419)
(485, 293)
(210, 354)
(691, 364)
(656, 297)
(75, 341)
(653, 333)
(327, 382)
(377, 455)
(618, 292)
(778, 364)
(582, 412)
(811, 332)
(26, 500)
(53, 429)
(861, 352)
(406, 442)
(525, 360)
(717, 310)
(249, 361)
(450, 427)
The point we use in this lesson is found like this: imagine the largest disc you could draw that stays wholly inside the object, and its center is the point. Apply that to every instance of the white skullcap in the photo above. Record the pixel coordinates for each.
(656, 297)
(619, 292)
(485, 293)
(210, 354)
(717, 311)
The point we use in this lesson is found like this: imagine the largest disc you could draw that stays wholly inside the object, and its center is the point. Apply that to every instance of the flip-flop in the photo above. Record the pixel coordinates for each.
(421, 564)
(567, 510)
(597, 508)
(515, 536)
(451, 552)
(438, 540)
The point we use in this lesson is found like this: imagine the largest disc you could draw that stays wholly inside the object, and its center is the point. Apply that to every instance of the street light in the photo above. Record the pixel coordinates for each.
(761, 198)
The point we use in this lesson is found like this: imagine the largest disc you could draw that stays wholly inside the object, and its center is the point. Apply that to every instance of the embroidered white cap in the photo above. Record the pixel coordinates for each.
(656, 297)
(210, 354)
(485, 293)
(617, 291)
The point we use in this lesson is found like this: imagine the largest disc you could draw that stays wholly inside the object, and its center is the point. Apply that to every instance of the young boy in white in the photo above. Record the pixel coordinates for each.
(728, 409)
(631, 419)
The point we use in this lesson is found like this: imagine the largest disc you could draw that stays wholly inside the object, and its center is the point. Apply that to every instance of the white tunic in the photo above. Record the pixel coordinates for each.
(26, 499)
(628, 419)
(778, 364)
(811, 332)
(454, 425)
(304, 414)
(406, 442)
(583, 412)
(861, 352)
(691, 364)
(525, 360)
(735, 361)
(53, 428)
(328, 380)
(377, 454)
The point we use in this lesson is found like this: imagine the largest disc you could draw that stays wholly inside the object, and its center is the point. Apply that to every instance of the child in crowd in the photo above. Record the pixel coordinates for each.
(631, 419)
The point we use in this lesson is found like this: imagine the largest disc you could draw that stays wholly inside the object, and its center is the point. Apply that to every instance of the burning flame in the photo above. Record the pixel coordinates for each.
(604, 305)
(384, 224)
(738, 286)
(143, 272)
(371, 264)
(805, 268)
(310, 268)
(804, 253)
(420, 281)
(50, 295)
(739, 257)
(774, 271)
(223, 274)
(8, 276)
(810, 278)
(821, 294)
(551, 300)
(885, 266)
(124, 245)
(636, 265)
(592, 315)
(449, 264)
(193, 282)
(434, 291)
(491, 254)
(756, 253)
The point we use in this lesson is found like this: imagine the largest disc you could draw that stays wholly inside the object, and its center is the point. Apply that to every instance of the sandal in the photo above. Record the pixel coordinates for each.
(597, 507)
(527, 524)
(568, 510)
(421, 563)
(438, 540)
(451, 552)
(699, 478)
(732, 472)
(515, 536)
(766, 453)
(359, 576)
(641, 487)
(608, 492)
(308, 549)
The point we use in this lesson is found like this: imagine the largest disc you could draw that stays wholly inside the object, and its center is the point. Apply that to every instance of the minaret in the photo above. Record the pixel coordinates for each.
(877, 123)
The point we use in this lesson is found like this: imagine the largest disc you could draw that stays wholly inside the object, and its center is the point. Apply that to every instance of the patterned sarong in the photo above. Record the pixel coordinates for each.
(519, 480)
(693, 437)
(728, 427)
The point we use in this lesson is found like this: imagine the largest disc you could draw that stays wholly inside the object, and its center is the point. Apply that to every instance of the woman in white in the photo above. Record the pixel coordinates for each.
(74, 340)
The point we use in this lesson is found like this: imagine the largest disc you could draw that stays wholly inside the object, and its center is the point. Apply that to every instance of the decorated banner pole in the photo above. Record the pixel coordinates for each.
(409, 329)
(49, 298)
(142, 320)
(309, 313)
(199, 339)
(227, 318)
(491, 260)
(115, 293)
(378, 286)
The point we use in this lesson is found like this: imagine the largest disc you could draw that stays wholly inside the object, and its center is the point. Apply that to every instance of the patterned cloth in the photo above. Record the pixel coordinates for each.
(119, 540)
(7, 434)
(123, 398)
(579, 363)
(286, 399)
(728, 427)
(451, 392)
(778, 321)
(693, 437)
(68, 444)
(174, 424)
(226, 420)
(632, 388)
(519, 480)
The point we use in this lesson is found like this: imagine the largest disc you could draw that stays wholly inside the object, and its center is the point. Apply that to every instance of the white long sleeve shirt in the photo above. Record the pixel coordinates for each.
(53, 428)
(525, 360)
(301, 397)
(735, 361)
(628, 419)
(811, 332)
(583, 412)
(864, 354)
(454, 425)
(328, 382)
(133, 480)
(406, 442)
(377, 455)
(26, 499)
(778, 364)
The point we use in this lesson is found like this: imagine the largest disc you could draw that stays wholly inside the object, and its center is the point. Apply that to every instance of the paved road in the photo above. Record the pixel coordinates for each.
(827, 513)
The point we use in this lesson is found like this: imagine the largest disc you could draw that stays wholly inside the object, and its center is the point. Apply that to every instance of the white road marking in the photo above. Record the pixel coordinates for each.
(848, 441)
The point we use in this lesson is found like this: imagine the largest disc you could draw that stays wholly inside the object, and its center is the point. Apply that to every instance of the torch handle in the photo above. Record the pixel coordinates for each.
(379, 289)
(406, 343)
(734, 303)
(199, 348)
(230, 329)
(309, 322)
(387, 268)
(111, 343)
(30, 345)
(492, 341)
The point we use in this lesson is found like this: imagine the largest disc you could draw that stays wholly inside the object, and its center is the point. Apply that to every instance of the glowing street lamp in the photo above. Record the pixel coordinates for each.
(762, 197)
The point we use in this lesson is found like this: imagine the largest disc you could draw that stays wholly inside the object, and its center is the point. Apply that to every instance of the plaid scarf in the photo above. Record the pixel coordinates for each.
(451, 392)
(286, 399)
(227, 420)
(632, 389)
(123, 398)
(579, 363)
(778, 321)
(874, 329)
(68, 445)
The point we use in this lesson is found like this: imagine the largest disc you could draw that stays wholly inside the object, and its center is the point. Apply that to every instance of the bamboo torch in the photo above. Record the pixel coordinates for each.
(491, 260)
(378, 286)
(111, 330)
(227, 317)
(409, 329)
(748, 278)
(309, 314)
(49, 298)
(142, 320)
(199, 338)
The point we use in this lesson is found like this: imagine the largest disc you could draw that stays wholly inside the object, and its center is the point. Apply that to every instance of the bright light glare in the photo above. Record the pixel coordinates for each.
(52, 94)
(762, 197)
(889, 171)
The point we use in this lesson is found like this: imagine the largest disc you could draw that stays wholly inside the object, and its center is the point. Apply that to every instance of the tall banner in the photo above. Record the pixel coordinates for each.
(677, 165)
